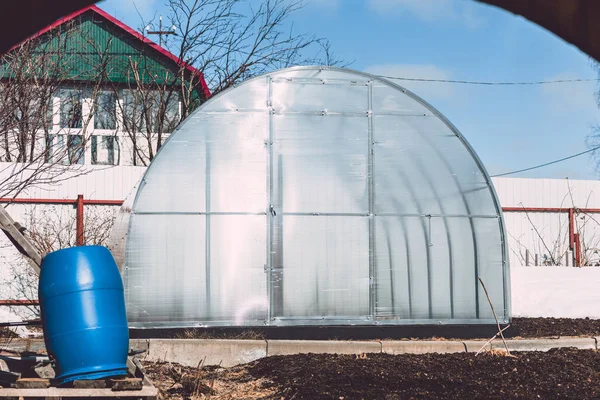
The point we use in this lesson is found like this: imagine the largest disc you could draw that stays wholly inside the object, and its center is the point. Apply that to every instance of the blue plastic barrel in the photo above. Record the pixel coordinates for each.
(83, 313)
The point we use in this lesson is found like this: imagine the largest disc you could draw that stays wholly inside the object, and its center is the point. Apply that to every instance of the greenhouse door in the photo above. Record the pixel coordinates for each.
(319, 226)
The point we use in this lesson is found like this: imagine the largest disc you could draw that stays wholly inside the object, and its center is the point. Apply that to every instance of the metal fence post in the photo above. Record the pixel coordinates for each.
(80, 240)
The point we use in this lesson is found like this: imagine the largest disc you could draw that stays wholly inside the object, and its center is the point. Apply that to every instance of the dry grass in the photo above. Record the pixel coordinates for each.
(500, 353)
(252, 389)
(216, 383)
(248, 334)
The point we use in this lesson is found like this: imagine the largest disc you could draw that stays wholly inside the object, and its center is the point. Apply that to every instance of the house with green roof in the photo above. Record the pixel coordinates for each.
(90, 90)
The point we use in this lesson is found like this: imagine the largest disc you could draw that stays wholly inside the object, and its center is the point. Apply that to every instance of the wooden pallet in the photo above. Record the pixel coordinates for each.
(146, 393)
(135, 386)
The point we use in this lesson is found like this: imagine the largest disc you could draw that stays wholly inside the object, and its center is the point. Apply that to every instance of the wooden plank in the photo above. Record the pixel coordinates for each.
(132, 368)
(146, 391)
(25, 247)
(90, 384)
(134, 365)
(32, 383)
(126, 384)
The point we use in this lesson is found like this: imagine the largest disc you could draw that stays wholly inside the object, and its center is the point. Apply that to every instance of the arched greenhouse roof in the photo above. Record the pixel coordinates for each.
(315, 196)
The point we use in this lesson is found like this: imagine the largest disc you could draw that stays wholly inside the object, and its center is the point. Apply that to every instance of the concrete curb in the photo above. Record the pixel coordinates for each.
(234, 352)
(288, 347)
(421, 346)
(546, 344)
(228, 353)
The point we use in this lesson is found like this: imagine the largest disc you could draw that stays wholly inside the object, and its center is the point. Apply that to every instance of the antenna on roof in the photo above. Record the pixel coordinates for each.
(160, 32)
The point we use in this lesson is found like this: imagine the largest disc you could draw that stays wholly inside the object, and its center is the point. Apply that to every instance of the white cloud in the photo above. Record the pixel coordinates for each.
(577, 97)
(429, 91)
(431, 10)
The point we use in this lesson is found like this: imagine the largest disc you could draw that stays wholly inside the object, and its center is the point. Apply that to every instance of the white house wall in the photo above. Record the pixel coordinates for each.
(95, 182)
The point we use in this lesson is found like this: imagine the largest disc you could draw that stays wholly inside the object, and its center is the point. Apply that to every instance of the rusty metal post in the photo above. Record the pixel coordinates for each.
(80, 240)
(577, 250)
(19, 303)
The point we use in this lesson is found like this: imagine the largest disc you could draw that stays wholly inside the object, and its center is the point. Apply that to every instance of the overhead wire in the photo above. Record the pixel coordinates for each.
(548, 163)
(490, 83)
(498, 83)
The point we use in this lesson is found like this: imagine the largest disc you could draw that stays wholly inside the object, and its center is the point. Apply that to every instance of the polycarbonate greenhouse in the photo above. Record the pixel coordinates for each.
(315, 196)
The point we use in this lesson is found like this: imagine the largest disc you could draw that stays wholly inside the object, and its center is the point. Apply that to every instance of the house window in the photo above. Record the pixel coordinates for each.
(105, 150)
(37, 115)
(71, 109)
(48, 110)
(48, 148)
(132, 111)
(105, 116)
(146, 111)
(70, 149)
(172, 117)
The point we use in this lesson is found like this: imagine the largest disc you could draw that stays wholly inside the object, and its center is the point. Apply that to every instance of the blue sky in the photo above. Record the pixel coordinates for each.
(510, 127)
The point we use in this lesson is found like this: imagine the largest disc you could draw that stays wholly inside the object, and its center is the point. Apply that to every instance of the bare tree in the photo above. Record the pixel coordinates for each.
(593, 139)
(150, 104)
(229, 41)
(233, 40)
(552, 248)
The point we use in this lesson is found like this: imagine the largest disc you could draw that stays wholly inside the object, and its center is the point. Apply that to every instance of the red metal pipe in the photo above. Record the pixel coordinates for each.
(549, 209)
(103, 202)
(534, 209)
(37, 201)
(79, 221)
(62, 201)
(19, 302)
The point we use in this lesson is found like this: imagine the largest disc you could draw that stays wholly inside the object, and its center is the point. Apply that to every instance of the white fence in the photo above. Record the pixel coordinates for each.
(537, 230)
(536, 291)
(552, 291)
(53, 225)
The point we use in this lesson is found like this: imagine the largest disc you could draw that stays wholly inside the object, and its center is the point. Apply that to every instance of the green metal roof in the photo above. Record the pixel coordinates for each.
(93, 46)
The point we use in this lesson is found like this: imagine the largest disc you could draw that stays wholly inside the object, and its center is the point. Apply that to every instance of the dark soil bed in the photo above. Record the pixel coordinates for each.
(564, 374)
(547, 327)
(520, 327)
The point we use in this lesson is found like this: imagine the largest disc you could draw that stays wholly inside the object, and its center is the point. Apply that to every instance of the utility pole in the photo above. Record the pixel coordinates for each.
(160, 31)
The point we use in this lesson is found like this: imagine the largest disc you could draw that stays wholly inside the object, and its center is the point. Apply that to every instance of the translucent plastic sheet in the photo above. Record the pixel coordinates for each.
(315, 196)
